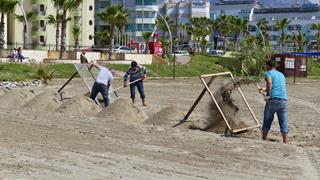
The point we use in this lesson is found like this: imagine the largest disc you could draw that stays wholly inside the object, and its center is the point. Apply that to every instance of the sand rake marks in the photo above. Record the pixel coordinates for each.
(229, 105)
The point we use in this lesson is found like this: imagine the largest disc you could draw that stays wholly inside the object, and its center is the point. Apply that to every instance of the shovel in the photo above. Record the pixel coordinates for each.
(116, 89)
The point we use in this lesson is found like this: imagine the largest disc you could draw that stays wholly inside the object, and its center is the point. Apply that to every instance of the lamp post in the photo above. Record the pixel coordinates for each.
(25, 21)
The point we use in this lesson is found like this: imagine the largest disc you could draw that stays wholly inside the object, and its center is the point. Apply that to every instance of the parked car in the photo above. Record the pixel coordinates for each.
(217, 52)
(181, 53)
(94, 49)
(122, 49)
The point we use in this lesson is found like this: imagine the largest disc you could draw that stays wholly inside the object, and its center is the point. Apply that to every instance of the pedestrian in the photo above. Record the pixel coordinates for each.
(276, 97)
(136, 73)
(20, 56)
(83, 58)
(101, 84)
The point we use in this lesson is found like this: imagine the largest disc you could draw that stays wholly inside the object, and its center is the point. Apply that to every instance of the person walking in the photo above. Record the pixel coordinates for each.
(276, 97)
(101, 84)
(136, 72)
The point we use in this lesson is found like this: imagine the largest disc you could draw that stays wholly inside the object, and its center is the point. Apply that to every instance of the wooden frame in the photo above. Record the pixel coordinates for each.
(206, 89)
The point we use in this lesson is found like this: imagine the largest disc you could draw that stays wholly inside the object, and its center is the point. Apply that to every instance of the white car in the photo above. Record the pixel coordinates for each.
(217, 52)
(181, 53)
(122, 49)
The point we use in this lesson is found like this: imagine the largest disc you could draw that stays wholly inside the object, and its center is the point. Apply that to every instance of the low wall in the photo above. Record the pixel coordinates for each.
(139, 58)
(56, 55)
(59, 61)
(91, 56)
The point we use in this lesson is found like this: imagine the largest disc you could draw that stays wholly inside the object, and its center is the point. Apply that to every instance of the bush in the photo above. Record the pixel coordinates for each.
(45, 74)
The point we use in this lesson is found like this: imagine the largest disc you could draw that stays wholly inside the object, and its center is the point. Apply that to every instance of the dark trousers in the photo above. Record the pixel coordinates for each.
(103, 89)
(140, 87)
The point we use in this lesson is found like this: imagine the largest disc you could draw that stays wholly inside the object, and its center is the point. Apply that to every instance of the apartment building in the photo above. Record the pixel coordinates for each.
(182, 11)
(142, 16)
(301, 16)
(41, 34)
(301, 13)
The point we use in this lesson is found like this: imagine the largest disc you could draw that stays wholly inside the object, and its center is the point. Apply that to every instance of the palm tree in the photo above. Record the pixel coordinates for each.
(65, 6)
(263, 25)
(102, 38)
(6, 7)
(281, 25)
(56, 21)
(299, 40)
(238, 26)
(224, 28)
(317, 27)
(116, 16)
(76, 31)
(31, 17)
(161, 24)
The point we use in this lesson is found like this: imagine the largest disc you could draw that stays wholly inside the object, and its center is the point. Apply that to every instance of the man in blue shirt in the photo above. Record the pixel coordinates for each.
(276, 101)
(136, 72)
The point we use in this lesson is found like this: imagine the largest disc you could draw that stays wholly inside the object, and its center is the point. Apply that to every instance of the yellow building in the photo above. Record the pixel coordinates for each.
(43, 35)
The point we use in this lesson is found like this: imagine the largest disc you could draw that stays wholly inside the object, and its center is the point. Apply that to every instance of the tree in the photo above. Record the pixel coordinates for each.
(161, 24)
(65, 6)
(238, 26)
(281, 25)
(31, 17)
(102, 38)
(115, 16)
(6, 7)
(263, 25)
(56, 21)
(253, 55)
(76, 31)
(299, 40)
(224, 28)
(317, 27)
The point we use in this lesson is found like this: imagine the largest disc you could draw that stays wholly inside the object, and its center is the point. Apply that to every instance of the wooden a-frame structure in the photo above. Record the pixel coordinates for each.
(206, 89)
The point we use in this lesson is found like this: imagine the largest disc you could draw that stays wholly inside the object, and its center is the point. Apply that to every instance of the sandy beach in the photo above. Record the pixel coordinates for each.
(42, 137)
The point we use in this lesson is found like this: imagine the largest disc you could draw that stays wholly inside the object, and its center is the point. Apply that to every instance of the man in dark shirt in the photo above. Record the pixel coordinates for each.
(136, 73)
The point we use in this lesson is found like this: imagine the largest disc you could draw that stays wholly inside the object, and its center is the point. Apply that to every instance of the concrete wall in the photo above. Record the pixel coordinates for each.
(37, 55)
(140, 58)
(91, 56)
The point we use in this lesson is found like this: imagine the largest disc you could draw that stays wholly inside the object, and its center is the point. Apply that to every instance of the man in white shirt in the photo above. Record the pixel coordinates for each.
(101, 84)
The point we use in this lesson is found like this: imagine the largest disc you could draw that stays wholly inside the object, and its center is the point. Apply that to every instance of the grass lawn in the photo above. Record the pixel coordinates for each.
(199, 64)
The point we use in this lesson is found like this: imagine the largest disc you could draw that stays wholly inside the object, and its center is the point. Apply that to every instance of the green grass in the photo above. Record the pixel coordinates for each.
(313, 68)
(199, 65)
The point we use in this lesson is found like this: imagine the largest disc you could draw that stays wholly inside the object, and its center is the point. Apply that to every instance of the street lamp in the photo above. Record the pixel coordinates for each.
(25, 21)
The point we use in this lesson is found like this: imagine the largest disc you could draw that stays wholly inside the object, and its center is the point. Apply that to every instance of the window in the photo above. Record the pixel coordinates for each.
(90, 8)
(42, 25)
(41, 7)
(41, 39)
(90, 22)
(90, 37)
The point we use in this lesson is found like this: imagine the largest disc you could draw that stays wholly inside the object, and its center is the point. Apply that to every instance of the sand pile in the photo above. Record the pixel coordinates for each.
(123, 110)
(79, 106)
(2, 91)
(167, 116)
(46, 101)
(215, 122)
(15, 99)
